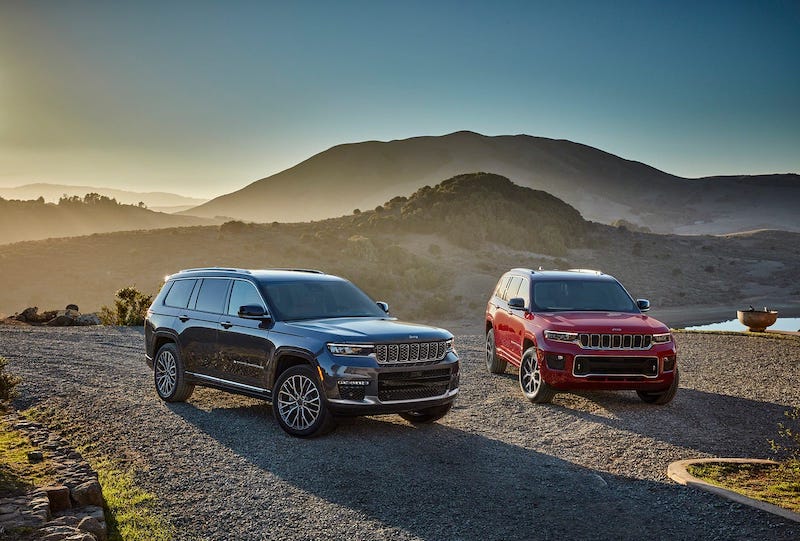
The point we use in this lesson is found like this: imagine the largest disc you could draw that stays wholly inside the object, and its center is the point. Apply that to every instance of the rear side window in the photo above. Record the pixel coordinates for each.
(501, 286)
(179, 293)
(213, 293)
(243, 293)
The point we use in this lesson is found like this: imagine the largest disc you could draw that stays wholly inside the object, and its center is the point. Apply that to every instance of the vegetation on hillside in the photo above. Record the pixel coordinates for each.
(8, 382)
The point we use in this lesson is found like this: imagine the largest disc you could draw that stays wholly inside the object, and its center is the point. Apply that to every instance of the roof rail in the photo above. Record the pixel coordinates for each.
(314, 271)
(523, 269)
(228, 269)
(587, 271)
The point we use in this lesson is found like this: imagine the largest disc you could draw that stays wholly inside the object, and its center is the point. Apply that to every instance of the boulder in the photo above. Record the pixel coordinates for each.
(59, 498)
(94, 527)
(63, 320)
(73, 307)
(88, 319)
(29, 315)
(89, 493)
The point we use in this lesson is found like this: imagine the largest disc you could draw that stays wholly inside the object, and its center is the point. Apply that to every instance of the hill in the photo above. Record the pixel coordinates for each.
(157, 201)
(602, 186)
(434, 256)
(94, 213)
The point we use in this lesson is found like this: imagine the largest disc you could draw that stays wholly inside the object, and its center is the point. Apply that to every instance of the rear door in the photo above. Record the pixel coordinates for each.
(199, 335)
(503, 317)
(244, 343)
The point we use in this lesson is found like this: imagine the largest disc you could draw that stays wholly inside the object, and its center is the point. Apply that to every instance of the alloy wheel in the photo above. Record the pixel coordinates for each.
(299, 403)
(531, 376)
(166, 373)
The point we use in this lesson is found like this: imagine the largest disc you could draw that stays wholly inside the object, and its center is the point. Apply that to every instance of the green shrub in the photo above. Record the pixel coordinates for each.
(788, 442)
(8, 382)
(130, 308)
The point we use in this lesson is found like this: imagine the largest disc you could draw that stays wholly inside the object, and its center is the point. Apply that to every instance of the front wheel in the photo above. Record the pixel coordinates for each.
(663, 397)
(427, 415)
(533, 386)
(299, 404)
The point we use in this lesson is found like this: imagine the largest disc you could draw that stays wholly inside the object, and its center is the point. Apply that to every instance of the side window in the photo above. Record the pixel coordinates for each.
(212, 295)
(525, 292)
(512, 289)
(179, 293)
(501, 286)
(243, 293)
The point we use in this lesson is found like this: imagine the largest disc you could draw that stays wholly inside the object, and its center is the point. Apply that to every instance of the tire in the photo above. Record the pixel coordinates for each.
(533, 386)
(494, 363)
(169, 376)
(663, 397)
(427, 415)
(298, 403)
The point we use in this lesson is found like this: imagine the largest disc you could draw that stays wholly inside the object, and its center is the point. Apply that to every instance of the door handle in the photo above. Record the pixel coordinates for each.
(226, 324)
(184, 318)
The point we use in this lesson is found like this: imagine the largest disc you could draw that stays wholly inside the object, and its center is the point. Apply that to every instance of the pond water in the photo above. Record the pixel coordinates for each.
(782, 324)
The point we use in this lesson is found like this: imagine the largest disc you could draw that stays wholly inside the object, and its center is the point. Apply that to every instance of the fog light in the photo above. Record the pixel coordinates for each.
(555, 361)
(669, 363)
(353, 389)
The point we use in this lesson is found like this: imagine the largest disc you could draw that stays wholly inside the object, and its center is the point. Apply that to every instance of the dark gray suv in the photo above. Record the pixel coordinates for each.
(313, 344)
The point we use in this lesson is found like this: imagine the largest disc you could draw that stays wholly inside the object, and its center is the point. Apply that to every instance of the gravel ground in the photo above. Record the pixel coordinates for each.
(589, 466)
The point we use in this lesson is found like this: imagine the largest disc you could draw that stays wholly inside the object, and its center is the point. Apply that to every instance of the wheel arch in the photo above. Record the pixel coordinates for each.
(287, 357)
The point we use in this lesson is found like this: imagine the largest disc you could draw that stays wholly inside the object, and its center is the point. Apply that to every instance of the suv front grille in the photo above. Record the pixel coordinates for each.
(615, 341)
(413, 385)
(589, 365)
(416, 352)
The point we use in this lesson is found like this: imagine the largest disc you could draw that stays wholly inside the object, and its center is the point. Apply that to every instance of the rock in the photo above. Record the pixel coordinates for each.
(94, 527)
(30, 314)
(72, 307)
(35, 456)
(61, 321)
(89, 493)
(95, 511)
(59, 498)
(88, 319)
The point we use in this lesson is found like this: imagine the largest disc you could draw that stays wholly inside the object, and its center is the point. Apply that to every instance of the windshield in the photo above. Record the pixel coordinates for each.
(319, 299)
(581, 295)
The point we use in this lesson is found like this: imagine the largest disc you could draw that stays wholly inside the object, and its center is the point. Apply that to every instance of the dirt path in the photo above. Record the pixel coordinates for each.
(589, 466)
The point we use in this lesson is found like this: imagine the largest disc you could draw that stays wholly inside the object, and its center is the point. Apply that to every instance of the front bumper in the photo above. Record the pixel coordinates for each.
(366, 388)
(571, 368)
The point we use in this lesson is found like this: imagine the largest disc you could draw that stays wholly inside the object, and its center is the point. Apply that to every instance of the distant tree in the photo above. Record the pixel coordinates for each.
(141, 205)
(40, 200)
(356, 211)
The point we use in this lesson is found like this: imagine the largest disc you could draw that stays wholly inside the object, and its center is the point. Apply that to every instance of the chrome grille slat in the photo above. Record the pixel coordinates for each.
(414, 352)
(615, 341)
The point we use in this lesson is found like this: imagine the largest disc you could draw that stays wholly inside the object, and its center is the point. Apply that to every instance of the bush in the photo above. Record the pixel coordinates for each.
(8, 382)
(788, 443)
(129, 309)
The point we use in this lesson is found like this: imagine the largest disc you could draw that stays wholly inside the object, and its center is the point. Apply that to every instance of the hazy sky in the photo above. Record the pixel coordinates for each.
(203, 98)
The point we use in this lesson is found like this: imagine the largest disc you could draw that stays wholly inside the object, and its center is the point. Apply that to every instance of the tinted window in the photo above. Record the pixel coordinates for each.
(212, 295)
(319, 299)
(513, 286)
(525, 292)
(243, 293)
(581, 295)
(179, 293)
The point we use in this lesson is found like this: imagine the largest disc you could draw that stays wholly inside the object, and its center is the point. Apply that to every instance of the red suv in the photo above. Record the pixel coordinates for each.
(577, 329)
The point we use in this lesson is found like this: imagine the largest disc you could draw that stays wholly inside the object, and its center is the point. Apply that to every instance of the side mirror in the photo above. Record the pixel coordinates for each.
(643, 304)
(253, 311)
(516, 303)
(384, 306)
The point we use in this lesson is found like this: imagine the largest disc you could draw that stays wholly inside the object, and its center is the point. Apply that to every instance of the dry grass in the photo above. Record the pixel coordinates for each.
(778, 484)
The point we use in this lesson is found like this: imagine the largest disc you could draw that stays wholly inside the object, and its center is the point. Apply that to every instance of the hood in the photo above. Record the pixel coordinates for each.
(600, 322)
(369, 330)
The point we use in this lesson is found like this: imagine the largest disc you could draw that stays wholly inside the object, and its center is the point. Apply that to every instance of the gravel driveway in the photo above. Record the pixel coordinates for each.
(589, 466)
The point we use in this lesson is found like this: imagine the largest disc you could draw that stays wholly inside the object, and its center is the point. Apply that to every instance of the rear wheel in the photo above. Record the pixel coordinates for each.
(533, 386)
(662, 397)
(299, 403)
(427, 415)
(494, 363)
(169, 376)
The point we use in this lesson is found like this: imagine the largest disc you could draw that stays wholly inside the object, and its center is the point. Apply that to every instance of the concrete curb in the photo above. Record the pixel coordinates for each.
(678, 473)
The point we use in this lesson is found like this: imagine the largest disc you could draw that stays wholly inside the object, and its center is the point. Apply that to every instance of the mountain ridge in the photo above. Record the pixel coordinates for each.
(602, 186)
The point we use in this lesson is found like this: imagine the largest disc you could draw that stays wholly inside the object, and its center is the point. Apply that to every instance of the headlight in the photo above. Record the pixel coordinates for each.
(662, 338)
(449, 346)
(561, 336)
(352, 350)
